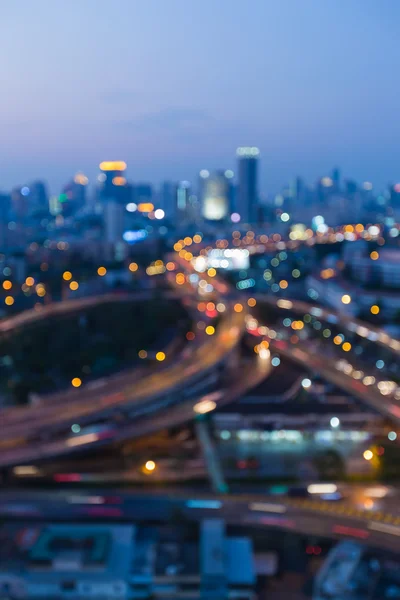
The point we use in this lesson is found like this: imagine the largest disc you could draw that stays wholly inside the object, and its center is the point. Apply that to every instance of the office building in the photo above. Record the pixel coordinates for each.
(168, 199)
(142, 193)
(182, 200)
(395, 195)
(114, 194)
(5, 205)
(73, 196)
(114, 221)
(215, 194)
(247, 199)
(336, 179)
(112, 183)
(19, 203)
(38, 197)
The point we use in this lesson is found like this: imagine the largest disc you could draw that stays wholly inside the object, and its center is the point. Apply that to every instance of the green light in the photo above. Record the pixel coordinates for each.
(279, 489)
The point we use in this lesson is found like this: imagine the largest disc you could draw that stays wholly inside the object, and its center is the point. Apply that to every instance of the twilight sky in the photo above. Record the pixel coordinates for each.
(174, 86)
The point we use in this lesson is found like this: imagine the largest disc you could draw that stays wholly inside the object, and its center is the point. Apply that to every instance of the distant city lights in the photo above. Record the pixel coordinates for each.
(119, 181)
(133, 267)
(247, 152)
(368, 455)
(81, 179)
(145, 207)
(159, 214)
(131, 237)
(115, 165)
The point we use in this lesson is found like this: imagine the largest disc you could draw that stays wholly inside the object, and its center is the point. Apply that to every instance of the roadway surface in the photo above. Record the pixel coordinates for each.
(368, 514)
(320, 359)
(326, 366)
(133, 400)
(360, 328)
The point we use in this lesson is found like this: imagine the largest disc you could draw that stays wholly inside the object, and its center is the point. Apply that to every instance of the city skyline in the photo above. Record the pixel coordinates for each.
(274, 77)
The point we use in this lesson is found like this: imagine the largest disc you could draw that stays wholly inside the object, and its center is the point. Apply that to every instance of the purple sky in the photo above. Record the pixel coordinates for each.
(174, 86)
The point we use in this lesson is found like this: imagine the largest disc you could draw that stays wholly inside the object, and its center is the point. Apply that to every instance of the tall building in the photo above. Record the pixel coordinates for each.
(113, 184)
(296, 195)
(5, 204)
(143, 193)
(215, 194)
(38, 198)
(395, 195)
(168, 199)
(114, 194)
(19, 202)
(247, 199)
(114, 221)
(336, 179)
(73, 195)
(182, 199)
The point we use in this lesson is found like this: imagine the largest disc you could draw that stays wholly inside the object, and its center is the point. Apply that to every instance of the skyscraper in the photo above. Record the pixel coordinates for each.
(168, 199)
(143, 193)
(182, 199)
(114, 194)
(73, 197)
(215, 194)
(336, 179)
(112, 181)
(247, 199)
(38, 198)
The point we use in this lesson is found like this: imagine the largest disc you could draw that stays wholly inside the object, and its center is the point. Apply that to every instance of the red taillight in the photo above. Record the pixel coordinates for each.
(67, 477)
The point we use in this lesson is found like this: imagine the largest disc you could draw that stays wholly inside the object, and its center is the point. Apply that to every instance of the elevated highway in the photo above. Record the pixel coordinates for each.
(369, 513)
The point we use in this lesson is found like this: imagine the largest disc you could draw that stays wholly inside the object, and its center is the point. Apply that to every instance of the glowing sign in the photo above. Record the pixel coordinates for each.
(113, 165)
(247, 152)
(118, 181)
(145, 207)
